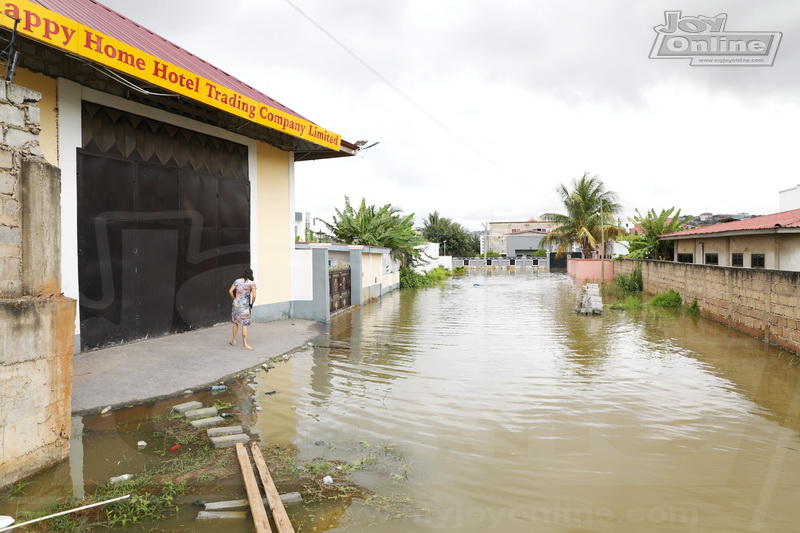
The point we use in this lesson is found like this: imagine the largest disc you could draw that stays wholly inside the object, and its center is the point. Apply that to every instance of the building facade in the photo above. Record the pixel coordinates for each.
(175, 175)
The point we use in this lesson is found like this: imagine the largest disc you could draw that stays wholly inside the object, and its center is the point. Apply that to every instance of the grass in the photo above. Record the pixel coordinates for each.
(410, 279)
(629, 283)
(668, 299)
(630, 302)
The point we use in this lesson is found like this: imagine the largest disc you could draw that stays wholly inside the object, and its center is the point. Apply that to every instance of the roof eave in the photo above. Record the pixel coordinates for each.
(732, 233)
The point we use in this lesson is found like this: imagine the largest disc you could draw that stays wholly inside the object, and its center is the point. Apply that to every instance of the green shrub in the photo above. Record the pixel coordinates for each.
(666, 299)
(540, 253)
(458, 271)
(491, 253)
(410, 279)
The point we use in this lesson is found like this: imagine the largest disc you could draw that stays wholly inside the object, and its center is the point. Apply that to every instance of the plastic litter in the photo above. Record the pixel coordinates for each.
(476, 284)
(175, 447)
(199, 503)
(270, 393)
(105, 410)
(5, 521)
(119, 479)
(141, 444)
(327, 480)
(219, 387)
(226, 415)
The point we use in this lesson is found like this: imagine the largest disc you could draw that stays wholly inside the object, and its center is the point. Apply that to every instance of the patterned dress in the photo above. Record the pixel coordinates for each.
(240, 312)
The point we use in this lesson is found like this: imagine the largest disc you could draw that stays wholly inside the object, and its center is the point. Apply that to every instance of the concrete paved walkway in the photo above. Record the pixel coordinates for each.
(167, 366)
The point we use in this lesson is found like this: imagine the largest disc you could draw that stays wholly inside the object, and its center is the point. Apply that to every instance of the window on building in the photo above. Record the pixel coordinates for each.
(757, 260)
(685, 258)
(712, 259)
(737, 260)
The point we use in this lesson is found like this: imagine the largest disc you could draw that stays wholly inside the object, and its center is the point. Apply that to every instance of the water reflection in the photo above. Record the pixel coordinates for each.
(513, 413)
(519, 414)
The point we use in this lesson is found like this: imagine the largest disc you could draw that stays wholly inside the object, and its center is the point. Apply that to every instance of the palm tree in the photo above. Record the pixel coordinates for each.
(591, 211)
(646, 244)
(373, 226)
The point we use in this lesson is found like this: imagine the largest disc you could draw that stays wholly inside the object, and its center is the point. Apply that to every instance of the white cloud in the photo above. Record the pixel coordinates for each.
(536, 93)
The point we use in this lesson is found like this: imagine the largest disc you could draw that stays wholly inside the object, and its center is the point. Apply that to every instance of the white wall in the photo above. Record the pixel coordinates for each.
(431, 250)
(789, 199)
(302, 276)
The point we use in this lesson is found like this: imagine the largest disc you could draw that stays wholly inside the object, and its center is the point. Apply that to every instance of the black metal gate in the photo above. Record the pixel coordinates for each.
(163, 227)
(340, 289)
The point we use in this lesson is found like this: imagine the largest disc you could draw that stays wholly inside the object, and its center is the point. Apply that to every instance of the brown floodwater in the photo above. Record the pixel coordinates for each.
(489, 404)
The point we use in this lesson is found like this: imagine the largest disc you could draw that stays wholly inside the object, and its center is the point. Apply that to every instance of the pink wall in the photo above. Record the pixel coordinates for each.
(582, 270)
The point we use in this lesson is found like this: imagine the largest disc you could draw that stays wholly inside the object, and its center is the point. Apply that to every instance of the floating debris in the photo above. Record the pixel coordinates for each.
(141, 444)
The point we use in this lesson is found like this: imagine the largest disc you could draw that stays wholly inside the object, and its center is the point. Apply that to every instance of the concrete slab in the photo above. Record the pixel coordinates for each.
(164, 367)
(205, 422)
(188, 406)
(230, 505)
(200, 413)
(221, 515)
(227, 430)
(228, 441)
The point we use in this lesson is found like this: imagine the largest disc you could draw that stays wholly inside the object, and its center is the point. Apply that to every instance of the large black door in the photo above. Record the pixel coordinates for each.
(163, 227)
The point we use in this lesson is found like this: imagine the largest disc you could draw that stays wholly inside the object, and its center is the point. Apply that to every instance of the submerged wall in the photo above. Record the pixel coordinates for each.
(36, 321)
(761, 303)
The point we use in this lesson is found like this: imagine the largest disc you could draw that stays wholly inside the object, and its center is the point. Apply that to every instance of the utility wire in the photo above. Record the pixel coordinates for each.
(406, 97)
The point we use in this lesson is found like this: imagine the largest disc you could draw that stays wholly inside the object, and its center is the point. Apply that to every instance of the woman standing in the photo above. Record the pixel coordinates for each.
(243, 294)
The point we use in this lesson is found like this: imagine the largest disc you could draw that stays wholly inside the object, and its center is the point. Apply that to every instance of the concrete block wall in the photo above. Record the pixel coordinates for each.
(761, 303)
(36, 321)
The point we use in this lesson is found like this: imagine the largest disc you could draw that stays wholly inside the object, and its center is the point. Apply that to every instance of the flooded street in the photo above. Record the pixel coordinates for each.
(488, 404)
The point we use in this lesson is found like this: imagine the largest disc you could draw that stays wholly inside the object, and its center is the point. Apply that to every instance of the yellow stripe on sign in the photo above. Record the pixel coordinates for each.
(60, 32)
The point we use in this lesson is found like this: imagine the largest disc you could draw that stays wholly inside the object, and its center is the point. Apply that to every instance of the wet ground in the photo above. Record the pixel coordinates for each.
(487, 404)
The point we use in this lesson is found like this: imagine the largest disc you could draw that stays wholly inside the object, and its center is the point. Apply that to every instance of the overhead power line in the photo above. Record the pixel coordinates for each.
(407, 98)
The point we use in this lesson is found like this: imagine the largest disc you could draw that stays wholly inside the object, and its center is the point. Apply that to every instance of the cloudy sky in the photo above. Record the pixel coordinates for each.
(482, 109)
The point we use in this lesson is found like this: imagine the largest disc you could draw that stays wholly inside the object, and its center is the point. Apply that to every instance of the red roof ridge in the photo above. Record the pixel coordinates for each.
(783, 219)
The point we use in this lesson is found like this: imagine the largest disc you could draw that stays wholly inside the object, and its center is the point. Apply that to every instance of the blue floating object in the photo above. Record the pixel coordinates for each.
(476, 284)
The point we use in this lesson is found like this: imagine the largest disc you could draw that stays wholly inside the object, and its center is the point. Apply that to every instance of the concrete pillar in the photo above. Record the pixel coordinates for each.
(36, 321)
(320, 308)
(356, 275)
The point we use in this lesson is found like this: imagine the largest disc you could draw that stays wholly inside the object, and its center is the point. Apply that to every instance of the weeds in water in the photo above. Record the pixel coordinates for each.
(630, 302)
(18, 488)
(669, 299)
(693, 309)
(144, 507)
(629, 283)
(70, 523)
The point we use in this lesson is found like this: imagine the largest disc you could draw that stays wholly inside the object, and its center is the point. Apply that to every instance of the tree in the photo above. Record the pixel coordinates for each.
(646, 244)
(590, 214)
(373, 226)
(452, 237)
